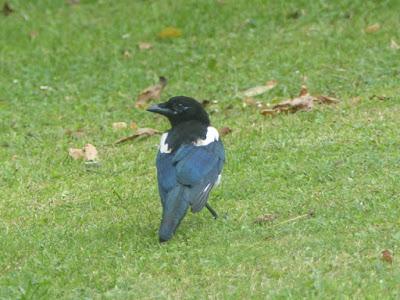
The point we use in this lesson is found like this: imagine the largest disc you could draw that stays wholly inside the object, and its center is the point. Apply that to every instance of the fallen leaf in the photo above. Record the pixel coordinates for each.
(268, 112)
(387, 256)
(355, 100)
(373, 28)
(119, 125)
(139, 132)
(303, 91)
(249, 101)
(145, 46)
(304, 102)
(268, 218)
(7, 9)
(90, 152)
(326, 100)
(382, 98)
(293, 105)
(170, 32)
(127, 54)
(394, 45)
(76, 153)
(261, 89)
(151, 93)
(224, 131)
(133, 125)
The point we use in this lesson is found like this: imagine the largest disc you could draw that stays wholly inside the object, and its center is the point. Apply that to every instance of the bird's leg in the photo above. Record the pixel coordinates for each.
(212, 211)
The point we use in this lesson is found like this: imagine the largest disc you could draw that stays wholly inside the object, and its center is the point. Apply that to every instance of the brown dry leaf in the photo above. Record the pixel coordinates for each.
(382, 98)
(394, 45)
(373, 28)
(90, 152)
(119, 125)
(249, 101)
(303, 91)
(293, 105)
(170, 32)
(127, 54)
(145, 46)
(139, 132)
(133, 125)
(76, 153)
(261, 89)
(304, 102)
(7, 9)
(326, 100)
(151, 93)
(268, 112)
(268, 218)
(387, 256)
(224, 131)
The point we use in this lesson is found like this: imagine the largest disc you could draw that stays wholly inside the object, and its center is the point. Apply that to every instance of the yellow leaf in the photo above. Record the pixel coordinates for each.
(151, 93)
(373, 28)
(119, 125)
(145, 46)
(170, 32)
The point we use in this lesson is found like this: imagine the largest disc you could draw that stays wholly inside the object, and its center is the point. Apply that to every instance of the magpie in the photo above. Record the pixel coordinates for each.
(189, 162)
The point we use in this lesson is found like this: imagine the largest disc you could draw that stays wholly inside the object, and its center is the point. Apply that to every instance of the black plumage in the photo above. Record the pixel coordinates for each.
(189, 161)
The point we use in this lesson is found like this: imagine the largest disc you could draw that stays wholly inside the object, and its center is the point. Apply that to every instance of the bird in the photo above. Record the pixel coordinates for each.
(189, 162)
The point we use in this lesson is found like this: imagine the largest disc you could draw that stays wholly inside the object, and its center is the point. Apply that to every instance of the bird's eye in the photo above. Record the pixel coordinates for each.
(179, 107)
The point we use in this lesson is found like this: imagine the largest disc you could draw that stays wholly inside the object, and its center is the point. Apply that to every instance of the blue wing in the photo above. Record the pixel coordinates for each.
(195, 169)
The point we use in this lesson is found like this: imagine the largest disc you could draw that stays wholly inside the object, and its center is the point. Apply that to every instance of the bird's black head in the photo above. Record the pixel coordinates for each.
(181, 109)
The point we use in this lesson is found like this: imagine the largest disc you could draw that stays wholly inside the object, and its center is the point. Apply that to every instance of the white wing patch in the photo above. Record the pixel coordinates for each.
(206, 188)
(164, 148)
(218, 180)
(212, 135)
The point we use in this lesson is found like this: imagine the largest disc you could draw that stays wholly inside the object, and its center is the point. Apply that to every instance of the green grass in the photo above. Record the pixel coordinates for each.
(65, 234)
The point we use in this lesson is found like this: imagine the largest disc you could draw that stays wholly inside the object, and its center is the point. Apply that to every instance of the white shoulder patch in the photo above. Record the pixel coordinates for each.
(163, 145)
(212, 135)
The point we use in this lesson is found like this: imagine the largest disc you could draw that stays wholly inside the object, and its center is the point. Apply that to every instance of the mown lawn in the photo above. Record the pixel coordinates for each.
(72, 231)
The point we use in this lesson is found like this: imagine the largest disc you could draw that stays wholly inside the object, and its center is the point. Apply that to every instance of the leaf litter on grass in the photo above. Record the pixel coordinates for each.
(303, 102)
(373, 28)
(224, 131)
(119, 125)
(144, 46)
(170, 33)
(151, 93)
(261, 89)
(88, 153)
(387, 256)
(140, 132)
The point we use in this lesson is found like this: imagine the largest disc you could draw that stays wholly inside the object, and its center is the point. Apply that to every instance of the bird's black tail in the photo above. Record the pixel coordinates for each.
(174, 209)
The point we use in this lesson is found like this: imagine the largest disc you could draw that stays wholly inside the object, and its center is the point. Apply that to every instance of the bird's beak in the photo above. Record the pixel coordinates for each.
(161, 109)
